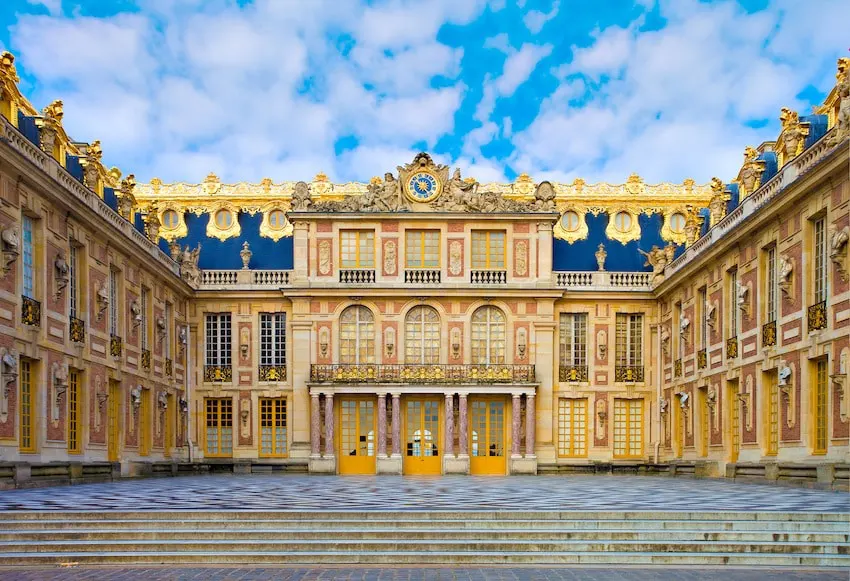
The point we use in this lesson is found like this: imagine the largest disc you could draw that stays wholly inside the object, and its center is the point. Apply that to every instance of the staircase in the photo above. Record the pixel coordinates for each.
(425, 537)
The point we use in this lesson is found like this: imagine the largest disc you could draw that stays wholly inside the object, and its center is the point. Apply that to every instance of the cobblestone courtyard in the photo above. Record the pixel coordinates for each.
(299, 492)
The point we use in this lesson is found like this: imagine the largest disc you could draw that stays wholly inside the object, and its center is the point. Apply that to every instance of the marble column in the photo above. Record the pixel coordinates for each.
(530, 416)
(450, 425)
(396, 424)
(382, 425)
(329, 425)
(516, 425)
(315, 426)
(463, 432)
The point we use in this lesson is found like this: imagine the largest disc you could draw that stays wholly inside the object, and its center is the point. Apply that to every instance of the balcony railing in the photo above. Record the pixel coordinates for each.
(488, 276)
(817, 316)
(628, 373)
(414, 373)
(244, 279)
(218, 373)
(702, 359)
(567, 372)
(272, 372)
(731, 347)
(169, 367)
(357, 276)
(768, 334)
(116, 345)
(146, 359)
(677, 368)
(77, 330)
(604, 280)
(30, 311)
(422, 276)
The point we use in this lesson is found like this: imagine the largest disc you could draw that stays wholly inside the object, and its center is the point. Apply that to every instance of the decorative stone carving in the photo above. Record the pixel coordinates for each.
(136, 311)
(455, 343)
(742, 297)
(60, 273)
(839, 381)
(601, 418)
(390, 257)
(841, 130)
(11, 247)
(383, 196)
(9, 371)
(749, 178)
(49, 125)
(152, 224)
(786, 269)
(521, 258)
(126, 199)
(161, 329)
(102, 299)
(838, 249)
(657, 258)
(245, 415)
(521, 343)
(786, 385)
(455, 257)
(711, 315)
(244, 342)
(601, 255)
(162, 400)
(184, 405)
(92, 165)
(389, 342)
(665, 341)
(189, 270)
(324, 257)
(693, 225)
(301, 200)
(324, 341)
(793, 137)
(684, 325)
(544, 198)
(60, 386)
(601, 344)
(746, 398)
(245, 254)
(719, 199)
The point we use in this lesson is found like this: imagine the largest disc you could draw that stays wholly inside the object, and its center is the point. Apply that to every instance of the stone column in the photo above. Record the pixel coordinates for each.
(529, 425)
(299, 371)
(397, 425)
(329, 425)
(516, 424)
(382, 425)
(315, 426)
(463, 431)
(449, 430)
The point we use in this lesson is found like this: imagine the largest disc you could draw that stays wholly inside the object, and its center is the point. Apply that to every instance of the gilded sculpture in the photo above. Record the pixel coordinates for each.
(837, 248)
(126, 197)
(49, 125)
(792, 140)
(749, 178)
(717, 204)
(841, 128)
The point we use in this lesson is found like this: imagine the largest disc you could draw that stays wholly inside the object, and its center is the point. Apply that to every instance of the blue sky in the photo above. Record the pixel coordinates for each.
(669, 89)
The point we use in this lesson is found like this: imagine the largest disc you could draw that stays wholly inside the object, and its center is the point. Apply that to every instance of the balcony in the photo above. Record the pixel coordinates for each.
(610, 281)
(768, 334)
(488, 276)
(817, 316)
(422, 276)
(702, 359)
(731, 347)
(573, 373)
(30, 311)
(357, 276)
(218, 373)
(628, 373)
(76, 330)
(169, 368)
(116, 345)
(146, 359)
(677, 368)
(244, 279)
(426, 374)
(272, 373)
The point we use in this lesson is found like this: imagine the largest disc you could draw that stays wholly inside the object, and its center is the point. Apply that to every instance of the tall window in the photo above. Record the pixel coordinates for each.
(821, 406)
(73, 283)
(733, 304)
(218, 340)
(357, 249)
(74, 443)
(770, 380)
(356, 336)
(771, 281)
(488, 250)
(273, 426)
(422, 336)
(145, 320)
(629, 340)
(145, 423)
(27, 407)
(113, 301)
(219, 419)
(573, 339)
(28, 257)
(703, 317)
(488, 336)
(820, 282)
(422, 248)
(273, 339)
(628, 428)
(572, 427)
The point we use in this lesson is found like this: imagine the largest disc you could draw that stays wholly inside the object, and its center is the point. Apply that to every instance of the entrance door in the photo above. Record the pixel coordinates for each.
(422, 442)
(487, 436)
(113, 421)
(357, 436)
(734, 407)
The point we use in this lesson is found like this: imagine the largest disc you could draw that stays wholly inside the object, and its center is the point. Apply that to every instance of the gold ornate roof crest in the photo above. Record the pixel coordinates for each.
(749, 176)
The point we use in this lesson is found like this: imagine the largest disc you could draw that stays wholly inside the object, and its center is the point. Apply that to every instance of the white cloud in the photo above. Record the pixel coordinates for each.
(53, 6)
(535, 19)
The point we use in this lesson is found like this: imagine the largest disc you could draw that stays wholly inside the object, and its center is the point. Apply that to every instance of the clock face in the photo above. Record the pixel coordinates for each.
(422, 187)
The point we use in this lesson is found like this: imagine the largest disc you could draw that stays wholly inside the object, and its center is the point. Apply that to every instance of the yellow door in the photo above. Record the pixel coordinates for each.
(487, 436)
(357, 436)
(422, 444)
(734, 421)
(113, 421)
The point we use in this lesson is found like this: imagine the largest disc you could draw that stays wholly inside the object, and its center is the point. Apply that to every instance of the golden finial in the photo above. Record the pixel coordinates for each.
(128, 184)
(579, 184)
(717, 185)
(469, 180)
(689, 184)
(7, 67)
(211, 178)
(750, 153)
(375, 180)
(524, 184)
(94, 151)
(54, 111)
(115, 174)
(267, 184)
(156, 184)
(320, 177)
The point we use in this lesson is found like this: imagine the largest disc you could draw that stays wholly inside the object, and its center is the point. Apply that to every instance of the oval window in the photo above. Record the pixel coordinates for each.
(223, 219)
(677, 223)
(170, 219)
(570, 221)
(623, 221)
(277, 220)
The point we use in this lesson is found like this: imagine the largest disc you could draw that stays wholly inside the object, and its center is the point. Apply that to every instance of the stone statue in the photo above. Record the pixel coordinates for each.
(717, 205)
(657, 259)
(749, 178)
(544, 197)
(91, 164)
(189, 270)
(837, 244)
(301, 197)
(382, 196)
(152, 224)
(601, 255)
(786, 267)
(793, 134)
(49, 124)
(842, 87)
(693, 224)
(126, 199)
(245, 254)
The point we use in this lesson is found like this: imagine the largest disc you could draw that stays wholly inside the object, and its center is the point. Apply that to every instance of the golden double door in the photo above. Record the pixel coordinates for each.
(357, 436)
(487, 435)
(423, 445)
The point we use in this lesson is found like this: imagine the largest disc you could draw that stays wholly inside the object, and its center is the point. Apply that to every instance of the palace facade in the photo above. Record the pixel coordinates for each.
(424, 323)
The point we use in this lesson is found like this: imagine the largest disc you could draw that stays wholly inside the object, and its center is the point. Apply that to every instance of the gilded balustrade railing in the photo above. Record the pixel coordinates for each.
(30, 311)
(628, 373)
(731, 347)
(567, 372)
(817, 316)
(76, 330)
(422, 373)
(768, 334)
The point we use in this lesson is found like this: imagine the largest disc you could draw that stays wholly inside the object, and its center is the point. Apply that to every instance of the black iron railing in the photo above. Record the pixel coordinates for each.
(403, 373)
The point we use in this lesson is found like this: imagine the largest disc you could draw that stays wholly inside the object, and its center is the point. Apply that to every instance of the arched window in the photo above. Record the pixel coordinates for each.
(488, 336)
(422, 336)
(356, 336)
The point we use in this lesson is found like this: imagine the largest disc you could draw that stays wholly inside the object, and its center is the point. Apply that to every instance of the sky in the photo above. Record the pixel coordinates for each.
(669, 89)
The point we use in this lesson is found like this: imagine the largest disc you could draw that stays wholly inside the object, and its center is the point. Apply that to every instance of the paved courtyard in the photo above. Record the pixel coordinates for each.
(302, 492)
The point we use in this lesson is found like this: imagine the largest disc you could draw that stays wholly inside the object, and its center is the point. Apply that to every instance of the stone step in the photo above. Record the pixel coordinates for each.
(431, 558)
(220, 534)
(396, 545)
